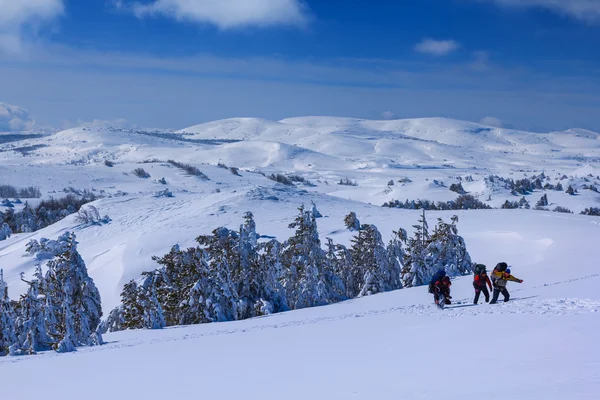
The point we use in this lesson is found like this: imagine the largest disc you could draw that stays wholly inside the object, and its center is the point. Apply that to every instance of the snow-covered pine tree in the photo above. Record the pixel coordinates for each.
(347, 272)
(303, 261)
(447, 251)
(315, 211)
(5, 231)
(415, 271)
(218, 293)
(543, 202)
(75, 301)
(351, 221)
(132, 310)
(8, 317)
(272, 297)
(152, 317)
(244, 264)
(114, 322)
(370, 260)
(180, 272)
(395, 259)
(333, 272)
(31, 318)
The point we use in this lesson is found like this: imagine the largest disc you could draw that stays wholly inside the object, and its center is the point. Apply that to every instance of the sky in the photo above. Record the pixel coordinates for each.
(526, 64)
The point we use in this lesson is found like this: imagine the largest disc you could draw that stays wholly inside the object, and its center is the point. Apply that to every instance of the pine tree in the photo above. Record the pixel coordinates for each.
(8, 318)
(370, 259)
(447, 251)
(152, 315)
(571, 190)
(132, 310)
(315, 211)
(5, 231)
(351, 221)
(180, 272)
(303, 261)
(345, 270)
(334, 272)
(415, 271)
(31, 319)
(114, 322)
(245, 268)
(75, 300)
(272, 297)
(218, 291)
(543, 202)
(395, 259)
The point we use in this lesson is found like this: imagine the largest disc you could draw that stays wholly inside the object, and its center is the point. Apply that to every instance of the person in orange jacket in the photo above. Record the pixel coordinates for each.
(479, 283)
(500, 277)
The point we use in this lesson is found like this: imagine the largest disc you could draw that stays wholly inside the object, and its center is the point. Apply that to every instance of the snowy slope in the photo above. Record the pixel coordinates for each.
(389, 346)
(372, 347)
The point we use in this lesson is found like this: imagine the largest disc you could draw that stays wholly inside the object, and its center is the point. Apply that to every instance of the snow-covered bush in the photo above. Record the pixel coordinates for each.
(5, 231)
(91, 216)
(46, 213)
(189, 169)
(141, 173)
(595, 211)
(543, 202)
(109, 163)
(164, 193)
(281, 179)
(347, 182)
(462, 202)
(562, 210)
(458, 188)
(30, 192)
(7, 203)
(351, 221)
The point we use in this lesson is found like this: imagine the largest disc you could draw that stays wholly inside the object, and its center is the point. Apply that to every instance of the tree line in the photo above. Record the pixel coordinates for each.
(234, 275)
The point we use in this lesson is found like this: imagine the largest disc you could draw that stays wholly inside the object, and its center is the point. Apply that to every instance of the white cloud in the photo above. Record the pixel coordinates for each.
(18, 17)
(225, 14)
(586, 10)
(14, 118)
(388, 115)
(491, 121)
(437, 47)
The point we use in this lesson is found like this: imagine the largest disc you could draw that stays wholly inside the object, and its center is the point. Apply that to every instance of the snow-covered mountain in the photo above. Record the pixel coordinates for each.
(393, 345)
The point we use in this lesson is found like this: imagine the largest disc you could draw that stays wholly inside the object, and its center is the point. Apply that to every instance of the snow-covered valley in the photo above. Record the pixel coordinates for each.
(394, 345)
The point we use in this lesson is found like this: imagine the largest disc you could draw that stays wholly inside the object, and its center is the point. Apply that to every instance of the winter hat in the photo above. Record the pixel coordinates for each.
(507, 270)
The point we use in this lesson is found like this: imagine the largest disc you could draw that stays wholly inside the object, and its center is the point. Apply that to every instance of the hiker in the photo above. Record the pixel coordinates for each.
(500, 277)
(479, 283)
(441, 292)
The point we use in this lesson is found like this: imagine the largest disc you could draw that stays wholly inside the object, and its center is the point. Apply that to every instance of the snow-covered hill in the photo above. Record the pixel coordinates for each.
(393, 345)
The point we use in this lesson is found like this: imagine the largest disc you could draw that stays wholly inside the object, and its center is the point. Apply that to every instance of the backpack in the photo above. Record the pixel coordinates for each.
(480, 269)
(501, 267)
(436, 277)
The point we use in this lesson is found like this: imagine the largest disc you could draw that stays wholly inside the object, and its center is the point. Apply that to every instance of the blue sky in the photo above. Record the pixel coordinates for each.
(531, 64)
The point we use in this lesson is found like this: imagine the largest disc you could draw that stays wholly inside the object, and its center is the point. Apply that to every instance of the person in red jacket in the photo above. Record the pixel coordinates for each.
(481, 283)
(441, 292)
